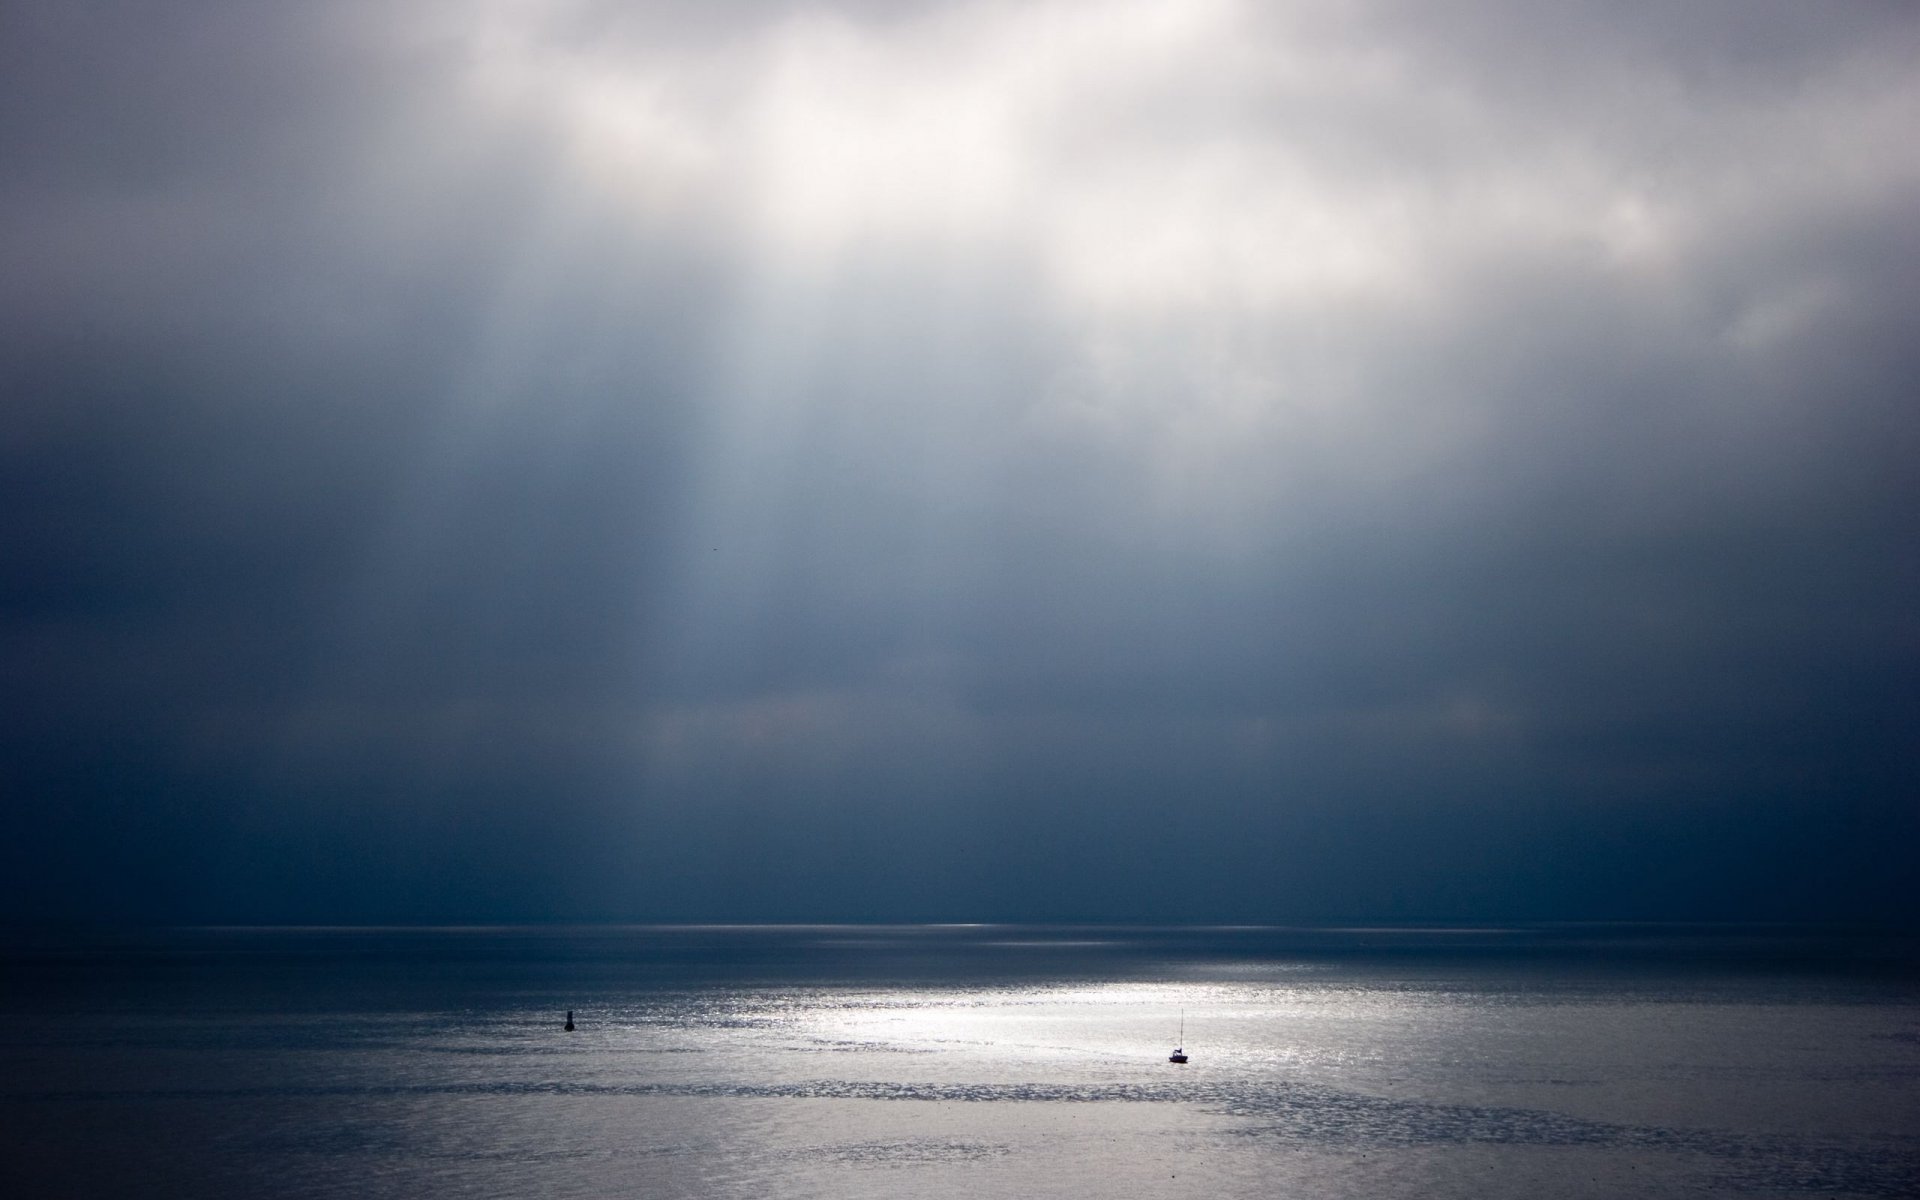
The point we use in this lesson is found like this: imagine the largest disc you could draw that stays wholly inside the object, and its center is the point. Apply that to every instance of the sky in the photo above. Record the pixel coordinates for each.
(1076, 460)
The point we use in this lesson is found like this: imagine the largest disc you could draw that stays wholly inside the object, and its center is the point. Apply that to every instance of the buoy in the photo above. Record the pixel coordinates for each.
(569, 1020)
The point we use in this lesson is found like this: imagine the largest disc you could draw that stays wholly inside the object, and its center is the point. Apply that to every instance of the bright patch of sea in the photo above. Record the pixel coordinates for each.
(974, 1061)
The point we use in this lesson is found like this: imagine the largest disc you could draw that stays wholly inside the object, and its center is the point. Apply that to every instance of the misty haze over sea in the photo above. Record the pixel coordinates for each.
(1086, 460)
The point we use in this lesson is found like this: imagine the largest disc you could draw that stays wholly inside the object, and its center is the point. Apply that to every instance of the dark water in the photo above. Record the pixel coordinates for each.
(978, 1061)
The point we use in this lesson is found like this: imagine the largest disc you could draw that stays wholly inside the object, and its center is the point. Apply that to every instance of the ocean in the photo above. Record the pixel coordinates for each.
(976, 1061)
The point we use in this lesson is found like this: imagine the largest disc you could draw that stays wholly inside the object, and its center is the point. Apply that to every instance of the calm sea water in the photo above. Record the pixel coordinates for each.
(975, 1061)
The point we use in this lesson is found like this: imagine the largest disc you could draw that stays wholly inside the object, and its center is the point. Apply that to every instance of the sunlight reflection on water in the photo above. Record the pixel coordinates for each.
(316, 1072)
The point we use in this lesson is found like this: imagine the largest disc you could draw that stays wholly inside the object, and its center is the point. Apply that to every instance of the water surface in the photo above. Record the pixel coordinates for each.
(982, 1061)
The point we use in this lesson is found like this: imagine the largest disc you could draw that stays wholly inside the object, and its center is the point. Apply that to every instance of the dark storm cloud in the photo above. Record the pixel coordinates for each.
(776, 460)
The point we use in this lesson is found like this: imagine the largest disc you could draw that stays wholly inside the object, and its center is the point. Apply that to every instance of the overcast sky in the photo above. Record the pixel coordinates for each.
(535, 459)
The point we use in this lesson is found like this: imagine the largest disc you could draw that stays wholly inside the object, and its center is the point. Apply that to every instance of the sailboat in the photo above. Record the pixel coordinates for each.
(1179, 1054)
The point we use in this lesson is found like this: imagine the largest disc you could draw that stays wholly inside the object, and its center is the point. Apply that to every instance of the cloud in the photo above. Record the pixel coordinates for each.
(882, 434)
